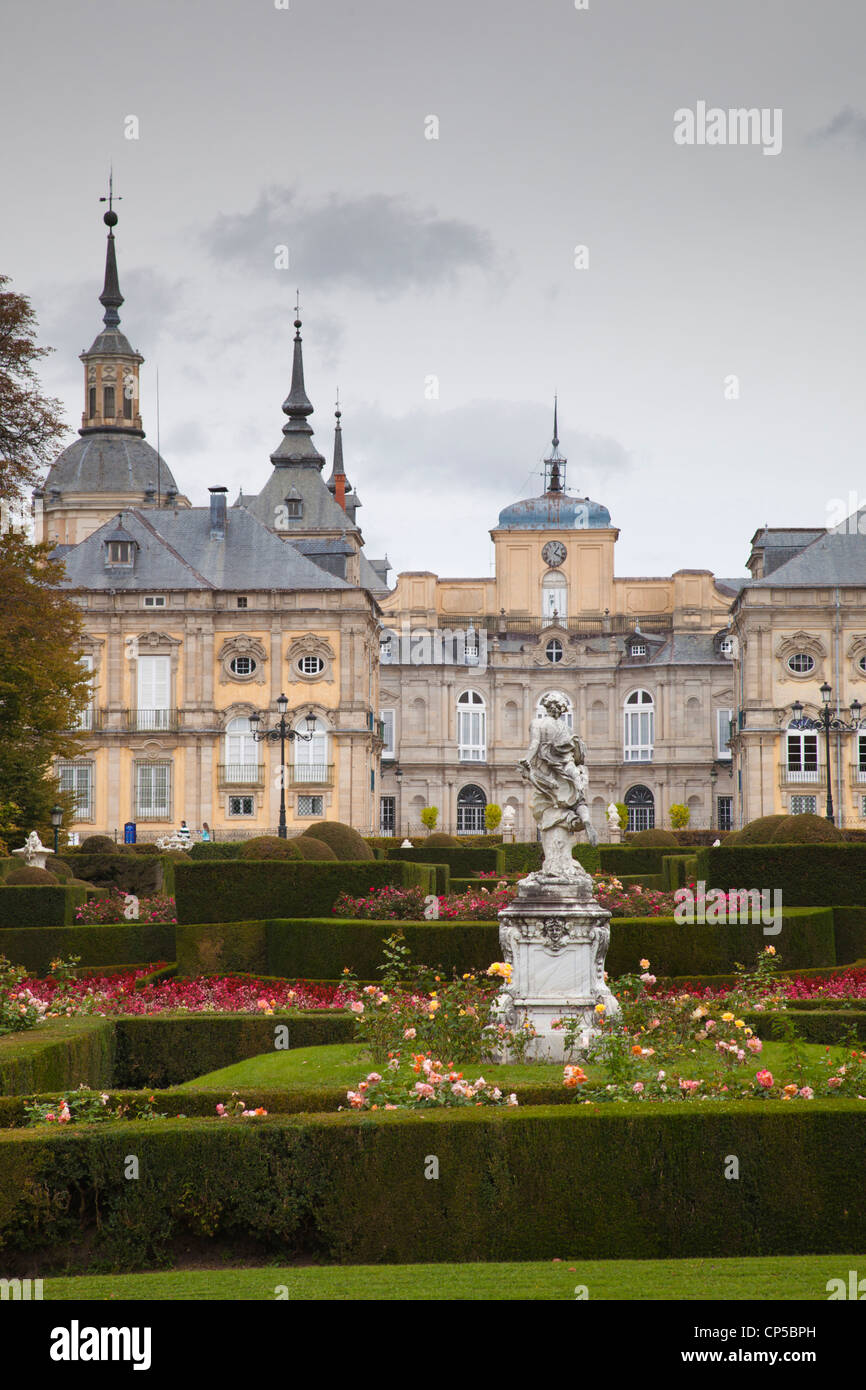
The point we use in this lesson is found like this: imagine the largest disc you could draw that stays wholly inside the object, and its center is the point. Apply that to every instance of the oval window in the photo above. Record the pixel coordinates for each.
(311, 665)
(553, 650)
(801, 663)
(242, 666)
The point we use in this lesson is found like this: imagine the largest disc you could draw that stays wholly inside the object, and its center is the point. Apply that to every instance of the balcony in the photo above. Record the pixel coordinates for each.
(150, 721)
(88, 720)
(801, 776)
(858, 776)
(240, 775)
(310, 774)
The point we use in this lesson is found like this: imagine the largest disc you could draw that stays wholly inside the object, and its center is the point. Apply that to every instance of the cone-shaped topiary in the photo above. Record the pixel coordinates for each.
(344, 841)
(653, 837)
(98, 844)
(442, 840)
(270, 847)
(807, 829)
(760, 831)
(311, 848)
(28, 873)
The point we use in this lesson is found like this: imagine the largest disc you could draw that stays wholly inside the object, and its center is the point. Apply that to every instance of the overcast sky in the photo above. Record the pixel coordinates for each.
(454, 258)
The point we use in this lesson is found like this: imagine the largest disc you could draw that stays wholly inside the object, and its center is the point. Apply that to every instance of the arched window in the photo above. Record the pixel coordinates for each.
(471, 727)
(554, 597)
(641, 808)
(638, 727)
(311, 756)
(569, 712)
(471, 802)
(240, 751)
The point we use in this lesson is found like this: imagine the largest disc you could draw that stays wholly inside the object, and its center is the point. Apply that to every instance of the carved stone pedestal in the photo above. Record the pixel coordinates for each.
(555, 937)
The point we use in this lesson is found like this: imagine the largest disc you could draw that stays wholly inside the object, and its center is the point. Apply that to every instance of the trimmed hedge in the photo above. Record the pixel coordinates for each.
(159, 1050)
(461, 862)
(643, 859)
(321, 948)
(60, 1054)
(819, 1025)
(675, 871)
(115, 943)
(808, 875)
(849, 924)
(219, 849)
(142, 874)
(39, 905)
(806, 939)
(351, 1189)
(236, 890)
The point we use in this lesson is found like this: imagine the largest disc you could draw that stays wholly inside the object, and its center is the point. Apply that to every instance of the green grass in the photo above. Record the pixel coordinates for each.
(789, 1278)
(347, 1063)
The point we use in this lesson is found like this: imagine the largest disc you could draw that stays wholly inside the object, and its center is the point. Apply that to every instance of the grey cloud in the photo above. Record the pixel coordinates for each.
(847, 125)
(379, 243)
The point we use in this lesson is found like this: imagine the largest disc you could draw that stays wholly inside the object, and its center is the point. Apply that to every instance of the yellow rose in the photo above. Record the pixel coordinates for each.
(600, 1009)
(727, 1018)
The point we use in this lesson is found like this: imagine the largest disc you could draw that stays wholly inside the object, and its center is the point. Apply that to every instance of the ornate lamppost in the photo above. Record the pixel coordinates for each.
(827, 721)
(56, 821)
(281, 732)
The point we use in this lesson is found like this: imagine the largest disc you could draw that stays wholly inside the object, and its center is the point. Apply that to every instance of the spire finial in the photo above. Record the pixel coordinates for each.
(298, 315)
(111, 298)
(338, 483)
(554, 464)
(555, 430)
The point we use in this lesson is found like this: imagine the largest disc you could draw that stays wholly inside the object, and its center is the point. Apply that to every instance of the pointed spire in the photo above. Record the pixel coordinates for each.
(111, 298)
(554, 464)
(338, 483)
(297, 406)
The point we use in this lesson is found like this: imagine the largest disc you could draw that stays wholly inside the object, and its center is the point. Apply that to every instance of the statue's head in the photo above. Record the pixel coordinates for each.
(555, 707)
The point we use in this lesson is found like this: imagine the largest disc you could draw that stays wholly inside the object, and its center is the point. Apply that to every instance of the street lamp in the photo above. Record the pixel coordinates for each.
(714, 777)
(827, 721)
(398, 773)
(281, 732)
(56, 820)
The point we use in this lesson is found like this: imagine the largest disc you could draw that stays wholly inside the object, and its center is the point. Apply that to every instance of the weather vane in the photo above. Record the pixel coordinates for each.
(110, 200)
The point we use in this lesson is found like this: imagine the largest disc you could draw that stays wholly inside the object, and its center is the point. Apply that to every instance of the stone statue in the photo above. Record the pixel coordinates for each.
(555, 767)
(33, 851)
(613, 816)
(554, 934)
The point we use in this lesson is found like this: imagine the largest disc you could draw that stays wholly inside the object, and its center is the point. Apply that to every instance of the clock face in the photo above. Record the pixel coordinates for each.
(554, 553)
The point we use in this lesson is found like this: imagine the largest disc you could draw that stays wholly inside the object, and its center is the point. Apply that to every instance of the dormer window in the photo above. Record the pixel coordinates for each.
(294, 507)
(119, 548)
(637, 649)
(120, 552)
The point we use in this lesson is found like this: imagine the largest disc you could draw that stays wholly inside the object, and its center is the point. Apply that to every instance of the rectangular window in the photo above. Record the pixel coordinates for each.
(311, 805)
(555, 605)
(108, 402)
(387, 718)
(472, 735)
(725, 813)
(77, 778)
(723, 732)
(154, 691)
(638, 737)
(861, 755)
(91, 402)
(863, 808)
(85, 718)
(242, 806)
(153, 791)
(387, 815)
(242, 603)
(154, 600)
(802, 757)
(801, 805)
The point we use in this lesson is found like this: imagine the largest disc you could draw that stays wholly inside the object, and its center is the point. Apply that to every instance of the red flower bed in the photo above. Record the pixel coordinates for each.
(117, 994)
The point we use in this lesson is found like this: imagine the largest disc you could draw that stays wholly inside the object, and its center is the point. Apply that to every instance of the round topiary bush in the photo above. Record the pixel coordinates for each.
(760, 831)
(28, 873)
(59, 868)
(732, 838)
(442, 840)
(98, 844)
(343, 840)
(310, 848)
(270, 847)
(653, 837)
(807, 829)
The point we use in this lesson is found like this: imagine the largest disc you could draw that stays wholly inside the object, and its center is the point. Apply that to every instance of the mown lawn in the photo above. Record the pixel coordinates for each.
(794, 1278)
(347, 1063)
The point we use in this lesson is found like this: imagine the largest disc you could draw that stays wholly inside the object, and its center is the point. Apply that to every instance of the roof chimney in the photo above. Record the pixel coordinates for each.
(217, 513)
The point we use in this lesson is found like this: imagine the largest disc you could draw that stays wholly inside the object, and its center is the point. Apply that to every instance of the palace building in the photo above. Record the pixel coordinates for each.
(689, 689)
(645, 666)
(197, 619)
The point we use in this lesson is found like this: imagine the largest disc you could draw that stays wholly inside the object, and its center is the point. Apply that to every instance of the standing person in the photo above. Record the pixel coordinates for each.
(205, 831)
(183, 833)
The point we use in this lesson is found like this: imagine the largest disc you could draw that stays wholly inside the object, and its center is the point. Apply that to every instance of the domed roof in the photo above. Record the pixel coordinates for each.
(557, 510)
(105, 461)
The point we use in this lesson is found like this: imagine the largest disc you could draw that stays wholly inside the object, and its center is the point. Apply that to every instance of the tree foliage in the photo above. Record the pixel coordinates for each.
(30, 424)
(43, 686)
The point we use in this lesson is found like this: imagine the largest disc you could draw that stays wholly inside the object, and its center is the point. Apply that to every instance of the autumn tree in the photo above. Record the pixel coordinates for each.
(31, 425)
(43, 686)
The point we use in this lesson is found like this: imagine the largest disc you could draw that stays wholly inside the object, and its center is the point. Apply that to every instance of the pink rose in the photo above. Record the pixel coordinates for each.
(764, 1079)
